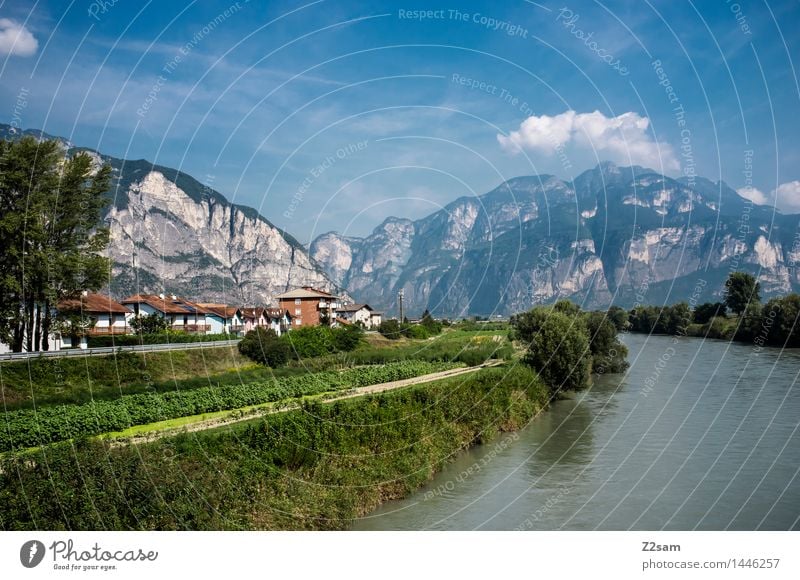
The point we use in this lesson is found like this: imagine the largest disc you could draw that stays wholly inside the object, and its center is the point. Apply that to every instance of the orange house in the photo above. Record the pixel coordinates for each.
(308, 306)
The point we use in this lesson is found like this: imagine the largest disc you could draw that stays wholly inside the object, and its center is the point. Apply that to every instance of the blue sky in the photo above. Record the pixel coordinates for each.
(334, 115)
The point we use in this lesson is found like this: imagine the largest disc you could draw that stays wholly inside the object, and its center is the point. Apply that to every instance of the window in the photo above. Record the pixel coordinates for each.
(297, 301)
(297, 312)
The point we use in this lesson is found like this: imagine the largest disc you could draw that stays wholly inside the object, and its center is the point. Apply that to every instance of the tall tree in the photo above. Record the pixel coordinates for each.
(741, 289)
(50, 209)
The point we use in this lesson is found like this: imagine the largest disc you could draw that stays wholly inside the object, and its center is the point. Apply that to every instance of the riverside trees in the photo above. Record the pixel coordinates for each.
(564, 345)
(50, 209)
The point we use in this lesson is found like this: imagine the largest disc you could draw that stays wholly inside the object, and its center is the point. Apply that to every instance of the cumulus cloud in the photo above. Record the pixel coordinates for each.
(15, 39)
(623, 139)
(786, 197)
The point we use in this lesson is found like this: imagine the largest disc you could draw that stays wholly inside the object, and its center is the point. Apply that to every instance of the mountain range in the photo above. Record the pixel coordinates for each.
(622, 235)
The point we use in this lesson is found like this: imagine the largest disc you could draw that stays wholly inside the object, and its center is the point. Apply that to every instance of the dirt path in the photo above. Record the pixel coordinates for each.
(203, 425)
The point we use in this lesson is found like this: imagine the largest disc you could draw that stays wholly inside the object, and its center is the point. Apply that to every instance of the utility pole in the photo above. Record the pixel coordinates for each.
(400, 295)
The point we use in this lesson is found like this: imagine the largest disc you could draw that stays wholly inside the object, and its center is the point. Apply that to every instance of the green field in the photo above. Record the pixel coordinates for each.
(314, 468)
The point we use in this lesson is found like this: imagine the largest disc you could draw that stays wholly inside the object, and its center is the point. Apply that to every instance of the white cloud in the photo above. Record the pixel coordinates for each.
(15, 39)
(757, 196)
(786, 197)
(623, 139)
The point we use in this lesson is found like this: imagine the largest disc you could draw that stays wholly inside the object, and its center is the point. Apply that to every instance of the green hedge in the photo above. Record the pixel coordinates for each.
(165, 338)
(32, 427)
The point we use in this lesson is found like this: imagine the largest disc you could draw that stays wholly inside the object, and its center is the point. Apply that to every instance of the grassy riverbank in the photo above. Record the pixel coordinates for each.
(315, 468)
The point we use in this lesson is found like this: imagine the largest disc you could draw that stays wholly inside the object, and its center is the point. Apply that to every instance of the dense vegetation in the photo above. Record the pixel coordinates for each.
(774, 323)
(31, 427)
(265, 347)
(565, 345)
(425, 328)
(316, 468)
(471, 348)
(48, 381)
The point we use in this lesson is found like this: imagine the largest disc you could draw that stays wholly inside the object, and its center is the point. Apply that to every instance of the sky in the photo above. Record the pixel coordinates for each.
(334, 115)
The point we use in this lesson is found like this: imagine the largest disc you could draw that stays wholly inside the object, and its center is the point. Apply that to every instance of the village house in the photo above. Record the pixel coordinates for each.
(272, 318)
(223, 318)
(279, 320)
(254, 317)
(91, 315)
(360, 314)
(182, 315)
(308, 306)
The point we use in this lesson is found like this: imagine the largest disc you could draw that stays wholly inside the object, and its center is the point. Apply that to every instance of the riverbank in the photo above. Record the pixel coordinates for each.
(319, 467)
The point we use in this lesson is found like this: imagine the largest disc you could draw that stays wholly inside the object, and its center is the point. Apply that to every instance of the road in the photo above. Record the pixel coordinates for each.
(104, 351)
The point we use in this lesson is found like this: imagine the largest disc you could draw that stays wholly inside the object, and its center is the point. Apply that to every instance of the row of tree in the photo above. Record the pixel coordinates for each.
(50, 210)
(427, 327)
(775, 323)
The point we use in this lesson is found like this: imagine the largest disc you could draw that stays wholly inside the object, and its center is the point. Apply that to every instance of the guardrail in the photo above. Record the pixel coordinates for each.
(106, 350)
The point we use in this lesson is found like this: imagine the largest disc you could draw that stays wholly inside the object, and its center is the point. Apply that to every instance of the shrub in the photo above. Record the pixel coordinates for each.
(429, 324)
(558, 347)
(347, 338)
(416, 331)
(390, 329)
(149, 324)
(263, 346)
(608, 353)
(705, 312)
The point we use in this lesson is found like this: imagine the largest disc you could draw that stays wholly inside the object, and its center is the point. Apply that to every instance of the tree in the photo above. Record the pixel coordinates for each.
(347, 338)
(263, 346)
(741, 289)
(676, 318)
(50, 209)
(618, 317)
(149, 324)
(431, 326)
(558, 347)
(567, 307)
(708, 310)
(608, 353)
(390, 329)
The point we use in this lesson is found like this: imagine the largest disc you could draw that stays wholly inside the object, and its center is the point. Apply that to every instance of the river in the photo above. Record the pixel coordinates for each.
(696, 435)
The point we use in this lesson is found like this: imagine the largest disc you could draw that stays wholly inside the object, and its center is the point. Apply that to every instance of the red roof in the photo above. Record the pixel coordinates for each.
(167, 305)
(253, 312)
(277, 313)
(92, 303)
(221, 310)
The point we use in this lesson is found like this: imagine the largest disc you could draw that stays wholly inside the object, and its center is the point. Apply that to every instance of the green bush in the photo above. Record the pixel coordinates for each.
(263, 346)
(390, 329)
(415, 331)
(31, 427)
(703, 313)
(347, 338)
(608, 353)
(558, 346)
(149, 324)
